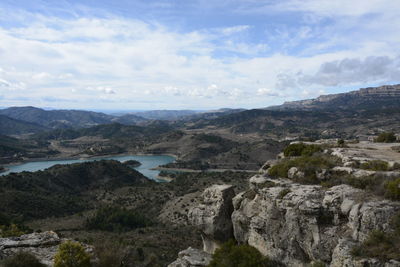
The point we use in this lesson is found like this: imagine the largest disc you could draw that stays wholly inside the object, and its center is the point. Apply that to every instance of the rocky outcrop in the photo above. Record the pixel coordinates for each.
(292, 223)
(43, 245)
(191, 257)
(213, 216)
(296, 224)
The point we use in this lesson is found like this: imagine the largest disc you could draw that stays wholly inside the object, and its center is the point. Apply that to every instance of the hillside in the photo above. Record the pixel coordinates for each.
(62, 189)
(9, 126)
(348, 115)
(64, 118)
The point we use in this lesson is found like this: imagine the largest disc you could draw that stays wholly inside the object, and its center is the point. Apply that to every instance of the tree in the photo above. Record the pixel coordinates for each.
(71, 254)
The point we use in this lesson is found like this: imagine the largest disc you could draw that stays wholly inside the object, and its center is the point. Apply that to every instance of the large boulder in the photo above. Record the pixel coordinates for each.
(191, 257)
(213, 216)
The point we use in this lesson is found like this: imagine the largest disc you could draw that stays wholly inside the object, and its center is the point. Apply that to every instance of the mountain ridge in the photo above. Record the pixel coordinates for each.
(357, 98)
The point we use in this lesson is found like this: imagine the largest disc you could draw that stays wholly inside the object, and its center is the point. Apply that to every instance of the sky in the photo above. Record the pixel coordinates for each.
(192, 54)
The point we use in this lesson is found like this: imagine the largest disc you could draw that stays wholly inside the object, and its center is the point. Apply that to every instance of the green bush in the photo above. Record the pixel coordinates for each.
(116, 219)
(393, 189)
(22, 259)
(341, 143)
(71, 254)
(386, 138)
(232, 255)
(301, 149)
(375, 165)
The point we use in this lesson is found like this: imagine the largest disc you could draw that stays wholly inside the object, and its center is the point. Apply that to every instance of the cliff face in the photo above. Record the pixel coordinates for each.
(296, 224)
(386, 95)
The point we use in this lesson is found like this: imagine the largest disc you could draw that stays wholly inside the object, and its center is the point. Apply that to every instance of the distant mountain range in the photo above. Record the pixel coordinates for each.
(20, 120)
(352, 108)
(366, 98)
(367, 110)
(53, 119)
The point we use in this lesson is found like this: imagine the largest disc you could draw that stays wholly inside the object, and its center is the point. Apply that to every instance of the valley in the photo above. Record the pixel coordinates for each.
(304, 183)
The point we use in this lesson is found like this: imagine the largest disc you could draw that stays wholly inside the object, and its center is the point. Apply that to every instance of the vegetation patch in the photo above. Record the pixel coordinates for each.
(386, 137)
(375, 165)
(116, 219)
(230, 255)
(301, 149)
(71, 254)
(309, 165)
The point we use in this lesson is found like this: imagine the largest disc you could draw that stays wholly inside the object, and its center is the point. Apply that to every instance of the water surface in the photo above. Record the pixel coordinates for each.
(148, 162)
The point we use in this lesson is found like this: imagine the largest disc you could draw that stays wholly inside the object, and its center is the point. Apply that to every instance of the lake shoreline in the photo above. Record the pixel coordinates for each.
(147, 162)
(81, 158)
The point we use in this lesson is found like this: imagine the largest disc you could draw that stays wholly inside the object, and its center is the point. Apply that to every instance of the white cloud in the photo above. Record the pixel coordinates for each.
(125, 60)
(41, 76)
(4, 83)
(266, 92)
(340, 7)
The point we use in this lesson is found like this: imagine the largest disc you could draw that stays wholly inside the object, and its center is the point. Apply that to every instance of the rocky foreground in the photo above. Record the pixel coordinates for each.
(44, 246)
(291, 223)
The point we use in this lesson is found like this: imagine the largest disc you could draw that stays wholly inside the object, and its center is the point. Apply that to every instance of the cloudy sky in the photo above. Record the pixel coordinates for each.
(192, 54)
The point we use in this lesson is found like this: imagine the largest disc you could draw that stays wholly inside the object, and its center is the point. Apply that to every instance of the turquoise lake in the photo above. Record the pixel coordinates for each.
(148, 162)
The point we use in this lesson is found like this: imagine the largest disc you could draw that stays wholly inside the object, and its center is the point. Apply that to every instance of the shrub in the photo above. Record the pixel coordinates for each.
(386, 138)
(393, 189)
(71, 254)
(22, 259)
(116, 219)
(375, 165)
(341, 143)
(301, 149)
(232, 255)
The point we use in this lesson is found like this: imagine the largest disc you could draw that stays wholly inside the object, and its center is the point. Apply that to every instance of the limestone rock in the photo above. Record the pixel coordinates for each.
(307, 222)
(43, 245)
(191, 257)
(295, 173)
(213, 216)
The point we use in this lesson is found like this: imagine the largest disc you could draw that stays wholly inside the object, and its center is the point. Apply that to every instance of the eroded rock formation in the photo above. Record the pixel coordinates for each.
(296, 224)
(213, 216)
(292, 223)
